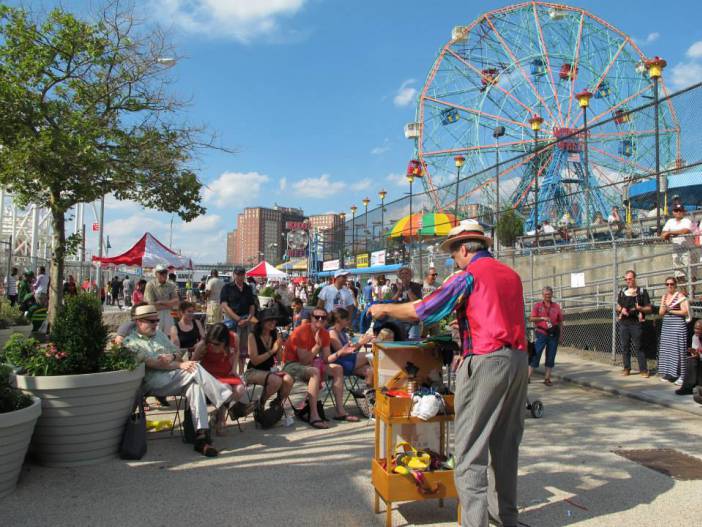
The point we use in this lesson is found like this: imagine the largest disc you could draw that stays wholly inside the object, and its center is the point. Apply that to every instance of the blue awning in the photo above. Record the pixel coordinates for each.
(687, 185)
(376, 269)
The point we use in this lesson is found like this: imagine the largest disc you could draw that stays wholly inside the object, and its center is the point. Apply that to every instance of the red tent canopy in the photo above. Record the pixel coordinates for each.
(266, 270)
(148, 252)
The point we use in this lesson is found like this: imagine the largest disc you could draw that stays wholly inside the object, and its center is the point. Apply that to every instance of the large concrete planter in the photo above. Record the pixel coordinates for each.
(82, 417)
(15, 432)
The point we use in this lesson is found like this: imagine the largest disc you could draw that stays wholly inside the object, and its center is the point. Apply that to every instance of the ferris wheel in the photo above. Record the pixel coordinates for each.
(532, 60)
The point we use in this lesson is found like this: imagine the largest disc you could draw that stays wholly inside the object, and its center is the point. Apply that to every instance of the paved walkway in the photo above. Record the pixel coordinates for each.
(607, 378)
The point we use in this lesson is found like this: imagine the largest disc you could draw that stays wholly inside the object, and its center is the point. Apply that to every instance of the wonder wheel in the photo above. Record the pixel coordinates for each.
(531, 60)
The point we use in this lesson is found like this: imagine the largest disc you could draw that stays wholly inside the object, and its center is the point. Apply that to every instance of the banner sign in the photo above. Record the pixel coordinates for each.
(330, 265)
(377, 258)
(296, 225)
(362, 260)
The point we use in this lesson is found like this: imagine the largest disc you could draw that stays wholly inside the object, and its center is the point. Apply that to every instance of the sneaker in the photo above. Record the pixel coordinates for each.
(626, 371)
(683, 390)
(679, 381)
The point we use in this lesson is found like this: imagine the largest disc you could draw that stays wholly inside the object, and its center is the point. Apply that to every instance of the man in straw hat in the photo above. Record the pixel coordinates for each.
(491, 378)
(168, 374)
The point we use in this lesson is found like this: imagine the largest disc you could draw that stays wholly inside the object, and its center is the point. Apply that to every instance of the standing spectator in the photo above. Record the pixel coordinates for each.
(70, 288)
(672, 350)
(368, 292)
(138, 293)
(548, 317)
(127, 289)
(408, 291)
(336, 295)
(41, 286)
(115, 288)
(11, 286)
(24, 288)
(491, 378)
(201, 287)
(238, 303)
(614, 216)
(163, 295)
(633, 304)
(693, 370)
(675, 230)
(430, 285)
(300, 314)
(213, 292)
(382, 288)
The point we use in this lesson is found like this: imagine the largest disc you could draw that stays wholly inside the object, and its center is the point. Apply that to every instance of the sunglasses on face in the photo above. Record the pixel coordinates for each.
(433, 274)
(673, 284)
(319, 317)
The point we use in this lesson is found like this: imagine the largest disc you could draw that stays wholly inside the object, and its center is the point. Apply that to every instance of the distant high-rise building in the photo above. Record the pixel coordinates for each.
(330, 230)
(232, 256)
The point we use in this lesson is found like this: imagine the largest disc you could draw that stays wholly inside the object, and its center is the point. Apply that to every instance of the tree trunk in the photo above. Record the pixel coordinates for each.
(58, 222)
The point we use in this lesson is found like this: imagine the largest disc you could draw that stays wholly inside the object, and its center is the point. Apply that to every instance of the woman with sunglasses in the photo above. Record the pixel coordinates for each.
(672, 350)
(218, 355)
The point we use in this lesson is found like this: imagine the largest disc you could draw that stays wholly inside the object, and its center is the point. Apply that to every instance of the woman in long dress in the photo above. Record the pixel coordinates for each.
(672, 349)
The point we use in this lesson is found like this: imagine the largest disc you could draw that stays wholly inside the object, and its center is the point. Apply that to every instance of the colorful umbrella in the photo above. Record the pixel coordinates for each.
(423, 224)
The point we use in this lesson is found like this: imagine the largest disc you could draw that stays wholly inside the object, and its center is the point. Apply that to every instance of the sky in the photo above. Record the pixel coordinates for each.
(313, 96)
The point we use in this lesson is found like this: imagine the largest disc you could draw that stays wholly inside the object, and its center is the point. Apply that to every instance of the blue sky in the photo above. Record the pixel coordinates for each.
(314, 94)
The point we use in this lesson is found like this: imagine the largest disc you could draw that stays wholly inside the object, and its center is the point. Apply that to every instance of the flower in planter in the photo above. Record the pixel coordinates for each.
(78, 344)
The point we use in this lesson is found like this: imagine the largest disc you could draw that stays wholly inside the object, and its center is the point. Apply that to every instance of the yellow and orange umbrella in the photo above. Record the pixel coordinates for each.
(423, 224)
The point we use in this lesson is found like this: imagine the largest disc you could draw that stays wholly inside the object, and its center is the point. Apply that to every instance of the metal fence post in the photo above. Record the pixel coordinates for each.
(689, 270)
(615, 272)
(531, 276)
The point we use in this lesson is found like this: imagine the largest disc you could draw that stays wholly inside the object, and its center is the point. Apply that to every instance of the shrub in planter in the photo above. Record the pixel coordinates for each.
(11, 399)
(11, 315)
(87, 390)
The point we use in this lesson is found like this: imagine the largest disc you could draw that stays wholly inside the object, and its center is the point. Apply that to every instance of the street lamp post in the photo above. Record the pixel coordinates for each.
(342, 239)
(498, 132)
(365, 202)
(655, 70)
(382, 195)
(535, 123)
(584, 102)
(414, 170)
(460, 161)
(354, 208)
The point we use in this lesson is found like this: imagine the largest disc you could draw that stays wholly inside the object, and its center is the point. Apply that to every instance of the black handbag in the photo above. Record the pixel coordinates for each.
(134, 438)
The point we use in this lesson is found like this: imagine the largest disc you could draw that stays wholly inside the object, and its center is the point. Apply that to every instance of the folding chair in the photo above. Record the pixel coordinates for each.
(351, 383)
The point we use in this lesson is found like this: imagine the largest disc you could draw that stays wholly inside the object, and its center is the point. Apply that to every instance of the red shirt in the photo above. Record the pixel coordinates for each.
(553, 312)
(303, 337)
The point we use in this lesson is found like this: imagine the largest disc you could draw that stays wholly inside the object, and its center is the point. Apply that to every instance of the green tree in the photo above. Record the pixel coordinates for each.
(509, 227)
(86, 112)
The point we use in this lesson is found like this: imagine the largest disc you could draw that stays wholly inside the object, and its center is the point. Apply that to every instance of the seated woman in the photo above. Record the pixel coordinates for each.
(218, 354)
(264, 348)
(188, 331)
(344, 352)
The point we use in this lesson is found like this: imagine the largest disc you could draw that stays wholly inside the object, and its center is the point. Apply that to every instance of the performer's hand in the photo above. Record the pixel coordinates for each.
(456, 362)
(377, 310)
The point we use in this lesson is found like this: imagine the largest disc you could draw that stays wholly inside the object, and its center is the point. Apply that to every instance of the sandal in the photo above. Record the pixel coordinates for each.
(548, 382)
(319, 424)
(346, 417)
(202, 446)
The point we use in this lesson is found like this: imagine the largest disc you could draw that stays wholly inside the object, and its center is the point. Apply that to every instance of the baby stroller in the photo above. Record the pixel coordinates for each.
(536, 407)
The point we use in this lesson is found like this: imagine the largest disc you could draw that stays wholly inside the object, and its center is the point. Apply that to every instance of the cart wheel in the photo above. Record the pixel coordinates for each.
(537, 409)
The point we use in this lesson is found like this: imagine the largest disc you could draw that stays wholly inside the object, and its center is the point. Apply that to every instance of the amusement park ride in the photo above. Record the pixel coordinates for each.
(563, 68)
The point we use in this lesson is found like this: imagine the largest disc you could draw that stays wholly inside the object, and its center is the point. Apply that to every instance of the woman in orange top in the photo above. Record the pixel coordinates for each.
(218, 354)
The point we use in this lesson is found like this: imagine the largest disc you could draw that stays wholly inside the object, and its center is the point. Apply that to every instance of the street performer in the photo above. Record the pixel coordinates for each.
(491, 379)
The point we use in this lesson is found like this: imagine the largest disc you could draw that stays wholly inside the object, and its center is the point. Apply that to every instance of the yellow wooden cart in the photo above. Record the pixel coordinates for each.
(392, 412)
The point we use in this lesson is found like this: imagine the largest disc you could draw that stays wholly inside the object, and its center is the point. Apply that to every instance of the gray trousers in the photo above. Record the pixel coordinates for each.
(199, 387)
(490, 403)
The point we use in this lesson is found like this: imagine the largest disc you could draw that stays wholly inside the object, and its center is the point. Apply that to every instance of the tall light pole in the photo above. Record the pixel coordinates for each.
(584, 102)
(382, 195)
(535, 123)
(354, 208)
(655, 70)
(365, 202)
(498, 132)
(459, 161)
(342, 239)
(414, 170)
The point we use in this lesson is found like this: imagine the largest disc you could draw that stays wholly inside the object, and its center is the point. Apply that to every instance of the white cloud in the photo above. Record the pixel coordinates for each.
(684, 74)
(112, 203)
(378, 150)
(283, 184)
(235, 188)
(695, 51)
(650, 39)
(321, 187)
(397, 179)
(405, 94)
(362, 184)
(206, 223)
(242, 20)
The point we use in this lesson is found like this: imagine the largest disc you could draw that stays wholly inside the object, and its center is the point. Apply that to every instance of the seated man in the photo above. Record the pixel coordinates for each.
(168, 374)
(308, 342)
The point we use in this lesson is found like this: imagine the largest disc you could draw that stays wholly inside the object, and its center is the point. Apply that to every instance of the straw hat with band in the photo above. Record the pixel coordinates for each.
(143, 312)
(464, 231)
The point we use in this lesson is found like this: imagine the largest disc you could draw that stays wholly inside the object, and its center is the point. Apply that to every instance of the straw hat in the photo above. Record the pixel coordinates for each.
(466, 230)
(144, 312)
